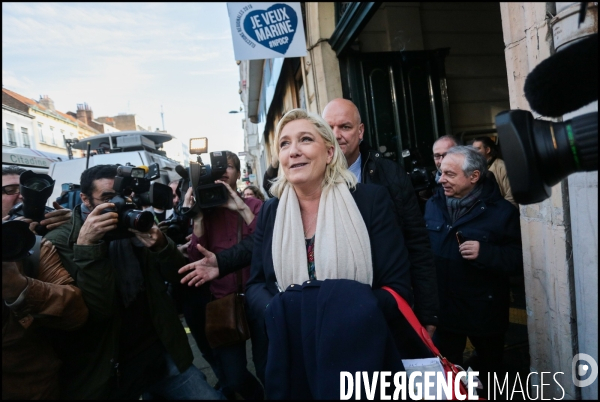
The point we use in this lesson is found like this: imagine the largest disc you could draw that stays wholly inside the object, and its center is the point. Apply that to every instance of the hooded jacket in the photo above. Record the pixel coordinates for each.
(474, 294)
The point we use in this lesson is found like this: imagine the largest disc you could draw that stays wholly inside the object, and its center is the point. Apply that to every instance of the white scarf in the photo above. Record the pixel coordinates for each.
(342, 247)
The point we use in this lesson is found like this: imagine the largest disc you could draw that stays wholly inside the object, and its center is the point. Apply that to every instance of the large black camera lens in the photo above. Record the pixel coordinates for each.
(17, 240)
(36, 189)
(538, 154)
(136, 219)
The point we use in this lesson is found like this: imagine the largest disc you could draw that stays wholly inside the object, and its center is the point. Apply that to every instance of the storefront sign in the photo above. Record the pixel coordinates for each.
(266, 30)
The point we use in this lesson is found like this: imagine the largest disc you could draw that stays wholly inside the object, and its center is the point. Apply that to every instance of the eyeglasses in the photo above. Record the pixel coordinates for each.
(439, 156)
(104, 199)
(11, 189)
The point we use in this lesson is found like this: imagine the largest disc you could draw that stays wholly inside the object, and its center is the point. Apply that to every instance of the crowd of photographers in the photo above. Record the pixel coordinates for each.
(92, 310)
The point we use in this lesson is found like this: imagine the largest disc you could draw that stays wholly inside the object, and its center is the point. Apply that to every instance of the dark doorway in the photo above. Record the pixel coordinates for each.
(403, 101)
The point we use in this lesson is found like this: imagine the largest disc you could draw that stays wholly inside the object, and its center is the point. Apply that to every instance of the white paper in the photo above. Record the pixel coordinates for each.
(432, 365)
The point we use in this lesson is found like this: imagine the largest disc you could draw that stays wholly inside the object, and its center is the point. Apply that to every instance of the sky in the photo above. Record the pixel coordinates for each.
(129, 58)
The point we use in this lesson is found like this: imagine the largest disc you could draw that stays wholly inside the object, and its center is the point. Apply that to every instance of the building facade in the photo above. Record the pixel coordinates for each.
(418, 71)
(50, 126)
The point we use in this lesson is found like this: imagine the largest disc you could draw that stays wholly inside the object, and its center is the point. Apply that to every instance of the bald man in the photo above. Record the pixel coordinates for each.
(370, 167)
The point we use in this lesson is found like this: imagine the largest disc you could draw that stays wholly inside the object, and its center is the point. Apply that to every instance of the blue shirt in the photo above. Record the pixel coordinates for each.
(355, 168)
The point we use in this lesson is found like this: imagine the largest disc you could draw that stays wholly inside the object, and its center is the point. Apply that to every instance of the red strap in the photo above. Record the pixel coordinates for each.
(413, 321)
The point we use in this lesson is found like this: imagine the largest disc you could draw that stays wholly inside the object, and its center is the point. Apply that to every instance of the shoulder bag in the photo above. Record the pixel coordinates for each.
(226, 322)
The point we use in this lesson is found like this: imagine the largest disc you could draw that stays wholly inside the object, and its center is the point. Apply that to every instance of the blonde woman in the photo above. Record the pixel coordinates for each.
(321, 225)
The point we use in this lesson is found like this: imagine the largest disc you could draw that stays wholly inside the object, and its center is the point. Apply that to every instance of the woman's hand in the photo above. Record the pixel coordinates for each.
(236, 203)
(200, 272)
(188, 199)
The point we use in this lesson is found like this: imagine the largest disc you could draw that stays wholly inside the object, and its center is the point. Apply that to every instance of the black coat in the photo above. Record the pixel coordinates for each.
(391, 175)
(378, 170)
(474, 294)
(319, 329)
(390, 261)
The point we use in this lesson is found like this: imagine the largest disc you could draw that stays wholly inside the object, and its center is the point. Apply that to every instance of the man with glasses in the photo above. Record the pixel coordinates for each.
(11, 196)
(476, 239)
(440, 148)
(133, 342)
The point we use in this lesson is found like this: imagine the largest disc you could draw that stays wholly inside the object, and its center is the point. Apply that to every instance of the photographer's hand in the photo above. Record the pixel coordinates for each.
(97, 224)
(236, 203)
(13, 281)
(201, 271)
(163, 226)
(56, 218)
(154, 239)
(183, 247)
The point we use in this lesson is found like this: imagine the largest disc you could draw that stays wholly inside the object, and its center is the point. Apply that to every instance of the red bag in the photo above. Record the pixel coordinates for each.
(424, 335)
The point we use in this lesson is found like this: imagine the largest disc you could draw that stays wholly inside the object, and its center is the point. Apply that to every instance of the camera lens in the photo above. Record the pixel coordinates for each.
(37, 183)
(138, 220)
(539, 153)
(17, 240)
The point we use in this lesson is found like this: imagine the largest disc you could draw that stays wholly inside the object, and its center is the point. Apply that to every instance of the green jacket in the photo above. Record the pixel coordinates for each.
(89, 354)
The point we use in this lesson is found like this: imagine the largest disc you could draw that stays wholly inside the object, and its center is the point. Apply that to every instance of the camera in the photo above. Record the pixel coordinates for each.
(542, 153)
(17, 240)
(208, 193)
(35, 189)
(70, 195)
(178, 225)
(134, 190)
(539, 154)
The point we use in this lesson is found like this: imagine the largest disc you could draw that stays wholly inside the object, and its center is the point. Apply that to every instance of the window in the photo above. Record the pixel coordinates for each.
(41, 133)
(10, 130)
(52, 136)
(62, 138)
(25, 135)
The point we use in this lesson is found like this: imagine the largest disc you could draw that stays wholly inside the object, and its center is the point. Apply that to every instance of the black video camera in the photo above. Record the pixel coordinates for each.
(178, 225)
(208, 193)
(135, 190)
(538, 154)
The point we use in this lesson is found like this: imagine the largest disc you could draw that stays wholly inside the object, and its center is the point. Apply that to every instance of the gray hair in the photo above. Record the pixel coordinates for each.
(473, 159)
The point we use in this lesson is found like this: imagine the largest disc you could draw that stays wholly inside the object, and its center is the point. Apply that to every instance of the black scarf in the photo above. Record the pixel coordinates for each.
(458, 207)
(128, 272)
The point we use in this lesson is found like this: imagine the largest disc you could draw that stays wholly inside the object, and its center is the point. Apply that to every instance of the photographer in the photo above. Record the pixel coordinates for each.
(37, 294)
(133, 341)
(45, 299)
(11, 196)
(219, 229)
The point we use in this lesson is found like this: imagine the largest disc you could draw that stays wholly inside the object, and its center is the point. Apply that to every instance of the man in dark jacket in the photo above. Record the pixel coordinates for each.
(133, 341)
(476, 239)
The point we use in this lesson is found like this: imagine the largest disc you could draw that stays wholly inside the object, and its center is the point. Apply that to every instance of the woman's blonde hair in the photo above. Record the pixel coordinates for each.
(336, 171)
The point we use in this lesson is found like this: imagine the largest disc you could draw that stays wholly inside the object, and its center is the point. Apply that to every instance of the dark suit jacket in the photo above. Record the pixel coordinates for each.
(389, 255)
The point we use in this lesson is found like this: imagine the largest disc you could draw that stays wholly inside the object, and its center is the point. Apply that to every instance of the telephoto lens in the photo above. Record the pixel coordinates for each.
(17, 240)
